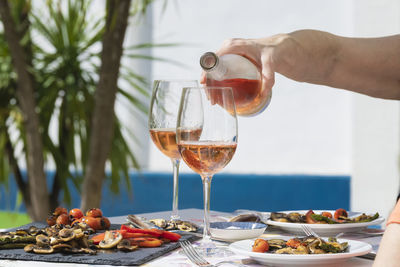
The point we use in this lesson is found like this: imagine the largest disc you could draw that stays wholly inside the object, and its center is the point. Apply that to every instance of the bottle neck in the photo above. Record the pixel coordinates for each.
(213, 66)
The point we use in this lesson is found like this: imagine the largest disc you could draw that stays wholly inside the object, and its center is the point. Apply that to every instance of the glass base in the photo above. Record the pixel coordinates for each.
(175, 217)
(209, 249)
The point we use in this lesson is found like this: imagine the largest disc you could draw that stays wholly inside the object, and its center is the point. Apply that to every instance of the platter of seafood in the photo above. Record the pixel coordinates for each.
(305, 251)
(324, 222)
(77, 238)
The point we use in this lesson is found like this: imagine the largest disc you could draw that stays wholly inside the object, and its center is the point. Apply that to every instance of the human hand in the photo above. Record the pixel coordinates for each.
(262, 52)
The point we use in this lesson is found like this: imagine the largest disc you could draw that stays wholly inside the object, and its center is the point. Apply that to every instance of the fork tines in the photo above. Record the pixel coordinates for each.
(192, 254)
(308, 231)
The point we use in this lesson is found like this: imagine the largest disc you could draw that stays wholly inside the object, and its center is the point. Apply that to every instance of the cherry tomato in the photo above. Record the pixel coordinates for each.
(340, 213)
(95, 212)
(260, 245)
(76, 221)
(308, 217)
(105, 223)
(75, 214)
(51, 220)
(94, 223)
(294, 242)
(327, 214)
(59, 211)
(63, 219)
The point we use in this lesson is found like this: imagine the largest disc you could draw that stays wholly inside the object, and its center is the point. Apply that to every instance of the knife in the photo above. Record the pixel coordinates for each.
(368, 256)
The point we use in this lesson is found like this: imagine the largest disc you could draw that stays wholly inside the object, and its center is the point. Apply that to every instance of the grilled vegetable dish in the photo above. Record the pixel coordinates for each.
(74, 233)
(299, 245)
(340, 216)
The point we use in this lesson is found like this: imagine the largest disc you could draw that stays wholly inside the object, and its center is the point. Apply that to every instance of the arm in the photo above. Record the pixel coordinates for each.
(388, 254)
(369, 66)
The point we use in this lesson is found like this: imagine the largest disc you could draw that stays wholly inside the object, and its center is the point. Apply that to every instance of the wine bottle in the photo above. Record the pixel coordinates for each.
(242, 76)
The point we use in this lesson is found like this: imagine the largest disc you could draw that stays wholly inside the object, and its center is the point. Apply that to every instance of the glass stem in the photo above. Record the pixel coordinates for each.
(175, 169)
(206, 199)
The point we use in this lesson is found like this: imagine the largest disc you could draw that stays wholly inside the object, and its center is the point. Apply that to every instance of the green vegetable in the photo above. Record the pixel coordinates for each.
(321, 218)
(17, 239)
(334, 247)
(13, 245)
(369, 218)
(332, 239)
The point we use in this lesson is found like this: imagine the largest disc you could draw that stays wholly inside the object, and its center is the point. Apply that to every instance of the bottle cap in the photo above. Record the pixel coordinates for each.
(208, 61)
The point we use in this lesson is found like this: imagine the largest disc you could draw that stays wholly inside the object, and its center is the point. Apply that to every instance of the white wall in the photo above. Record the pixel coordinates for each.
(306, 128)
(375, 136)
(138, 32)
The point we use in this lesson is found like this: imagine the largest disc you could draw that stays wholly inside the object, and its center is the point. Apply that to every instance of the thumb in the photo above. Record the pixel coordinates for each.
(203, 78)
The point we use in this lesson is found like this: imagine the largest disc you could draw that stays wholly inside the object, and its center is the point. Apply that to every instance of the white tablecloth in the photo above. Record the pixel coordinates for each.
(177, 259)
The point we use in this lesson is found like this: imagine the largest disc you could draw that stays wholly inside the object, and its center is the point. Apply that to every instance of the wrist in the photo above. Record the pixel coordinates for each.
(395, 215)
(309, 56)
(283, 55)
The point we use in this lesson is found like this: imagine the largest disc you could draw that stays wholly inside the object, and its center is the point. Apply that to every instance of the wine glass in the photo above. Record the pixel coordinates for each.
(163, 114)
(213, 108)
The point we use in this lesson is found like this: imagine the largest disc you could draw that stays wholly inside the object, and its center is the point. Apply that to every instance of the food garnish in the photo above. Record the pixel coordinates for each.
(299, 245)
(71, 232)
(174, 225)
(340, 216)
(94, 218)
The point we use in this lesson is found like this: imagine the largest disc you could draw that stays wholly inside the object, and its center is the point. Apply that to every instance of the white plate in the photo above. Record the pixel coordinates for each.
(325, 229)
(356, 248)
(233, 231)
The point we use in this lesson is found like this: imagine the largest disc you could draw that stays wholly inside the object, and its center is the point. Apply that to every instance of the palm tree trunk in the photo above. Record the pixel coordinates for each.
(22, 185)
(102, 129)
(25, 94)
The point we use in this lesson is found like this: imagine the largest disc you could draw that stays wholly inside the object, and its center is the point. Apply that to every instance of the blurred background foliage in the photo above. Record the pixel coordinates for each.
(63, 42)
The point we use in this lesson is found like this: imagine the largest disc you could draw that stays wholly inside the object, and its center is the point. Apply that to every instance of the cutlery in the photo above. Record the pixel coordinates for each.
(310, 232)
(368, 256)
(197, 259)
(138, 223)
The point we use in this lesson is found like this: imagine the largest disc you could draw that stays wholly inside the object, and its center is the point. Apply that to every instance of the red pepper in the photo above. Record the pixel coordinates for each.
(152, 232)
(134, 235)
(171, 236)
(99, 237)
(146, 242)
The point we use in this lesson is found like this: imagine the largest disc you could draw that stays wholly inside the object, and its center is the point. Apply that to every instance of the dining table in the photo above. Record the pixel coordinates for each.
(178, 258)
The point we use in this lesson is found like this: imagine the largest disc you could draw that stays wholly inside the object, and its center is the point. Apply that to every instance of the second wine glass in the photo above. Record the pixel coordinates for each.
(214, 109)
(163, 114)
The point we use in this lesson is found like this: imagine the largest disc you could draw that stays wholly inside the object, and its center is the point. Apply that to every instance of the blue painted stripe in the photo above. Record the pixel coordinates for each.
(152, 191)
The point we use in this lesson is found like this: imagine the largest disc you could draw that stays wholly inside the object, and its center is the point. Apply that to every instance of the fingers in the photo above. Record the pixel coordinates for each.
(235, 46)
(203, 78)
(244, 47)
(259, 51)
(268, 77)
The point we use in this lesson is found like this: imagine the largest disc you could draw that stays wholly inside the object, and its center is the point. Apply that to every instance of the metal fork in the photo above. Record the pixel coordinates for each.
(308, 231)
(197, 259)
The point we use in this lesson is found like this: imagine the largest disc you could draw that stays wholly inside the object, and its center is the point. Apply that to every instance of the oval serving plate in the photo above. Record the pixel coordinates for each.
(325, 229)
(233, 231)
(356, 248)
